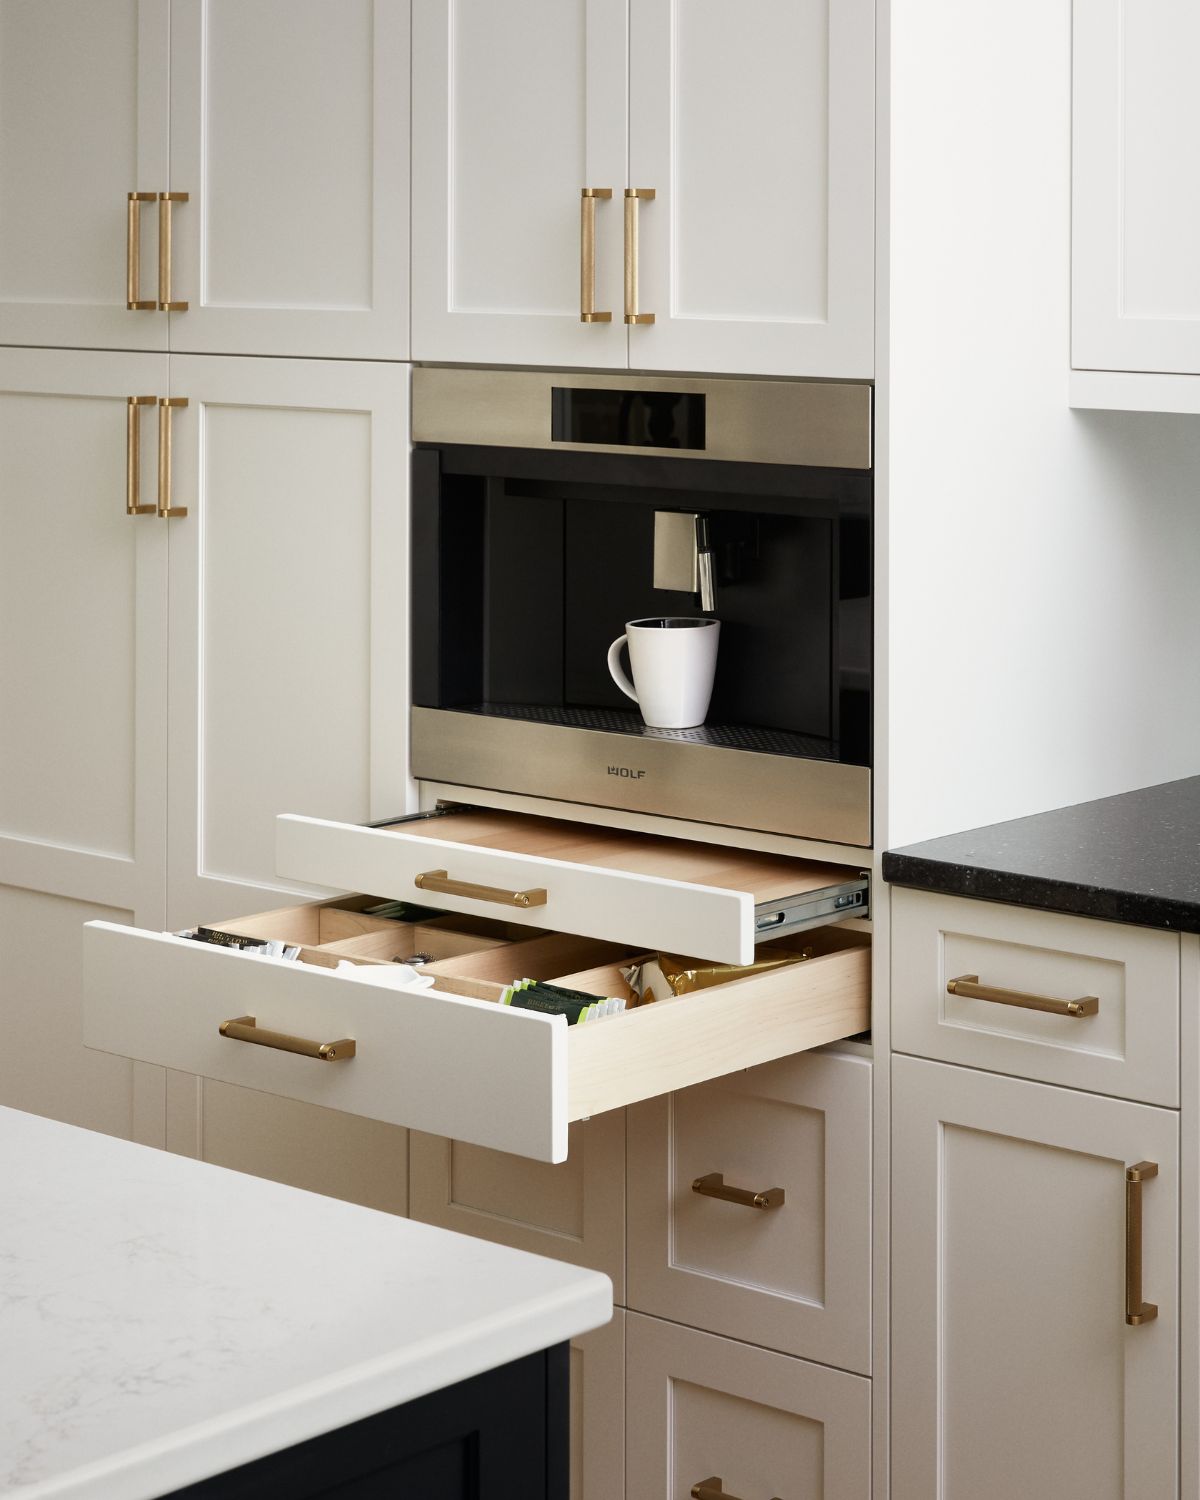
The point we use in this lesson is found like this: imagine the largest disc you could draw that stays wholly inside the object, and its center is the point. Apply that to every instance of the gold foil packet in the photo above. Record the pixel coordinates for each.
(667, 974)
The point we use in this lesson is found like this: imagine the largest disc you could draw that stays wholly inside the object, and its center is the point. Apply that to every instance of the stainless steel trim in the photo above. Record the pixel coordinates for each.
(825, 425)
(702, 783)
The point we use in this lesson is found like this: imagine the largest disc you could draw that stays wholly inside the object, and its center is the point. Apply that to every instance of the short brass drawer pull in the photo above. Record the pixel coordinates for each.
(713, 1186)
(713, 1489)
(1137, 1312)
(246, 1029)
(439, 880)
(969, 987)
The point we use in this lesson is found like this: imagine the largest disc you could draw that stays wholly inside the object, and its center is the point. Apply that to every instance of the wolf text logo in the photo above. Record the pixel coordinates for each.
(627, 771)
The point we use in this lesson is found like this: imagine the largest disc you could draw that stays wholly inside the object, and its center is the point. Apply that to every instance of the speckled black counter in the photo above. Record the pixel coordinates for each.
(1133, 858)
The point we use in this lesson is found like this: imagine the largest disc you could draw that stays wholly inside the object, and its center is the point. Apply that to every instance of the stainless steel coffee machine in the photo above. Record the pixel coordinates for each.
(551, 508)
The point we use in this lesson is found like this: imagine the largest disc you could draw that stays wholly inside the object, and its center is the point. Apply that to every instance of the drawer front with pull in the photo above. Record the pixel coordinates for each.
(775, 1246)
(449, 1060)
(712, 1418)
(656, 893)
(1059, 999)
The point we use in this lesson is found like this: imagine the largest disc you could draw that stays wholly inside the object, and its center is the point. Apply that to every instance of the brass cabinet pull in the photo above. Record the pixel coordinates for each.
(133, 255)
(166, 405)
(439, 880)
(247, 1029)
(587, 256)
(632, 197)
(713, 1489)
(1137, 1312)
(713, 1186)
(133, 455)
(969, 987)
(165, 200)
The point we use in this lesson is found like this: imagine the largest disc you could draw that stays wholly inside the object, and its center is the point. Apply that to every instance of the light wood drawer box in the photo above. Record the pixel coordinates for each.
(1129, 1047)
(572, 1210)
(700, 1407)
(450, 1060)
(794, 1277)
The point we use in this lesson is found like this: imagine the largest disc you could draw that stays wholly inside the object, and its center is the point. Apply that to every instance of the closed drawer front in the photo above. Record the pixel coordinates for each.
(631, 888)
(1113, 1025)
(702, 1409)
(449, 1060)
(793, 1274)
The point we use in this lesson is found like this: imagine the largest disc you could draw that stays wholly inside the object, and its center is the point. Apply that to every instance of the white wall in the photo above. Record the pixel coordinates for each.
(1043, 612)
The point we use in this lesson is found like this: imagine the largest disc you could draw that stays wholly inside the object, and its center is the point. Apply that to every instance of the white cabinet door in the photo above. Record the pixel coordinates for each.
(289, 613)
(289, 132)
(518, 105)
(754, 125)
(83, 123)
(1136, 218)
(1014, 1371)
(83, 600)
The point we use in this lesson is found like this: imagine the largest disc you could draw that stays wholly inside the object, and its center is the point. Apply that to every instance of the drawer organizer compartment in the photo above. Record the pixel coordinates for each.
(339, 1026)
(632, 888)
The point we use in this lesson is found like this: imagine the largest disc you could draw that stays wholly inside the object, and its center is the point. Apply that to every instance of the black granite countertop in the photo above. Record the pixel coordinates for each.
(1132, 858)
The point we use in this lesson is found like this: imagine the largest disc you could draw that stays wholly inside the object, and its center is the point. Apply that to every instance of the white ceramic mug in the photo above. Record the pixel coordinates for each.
(674, 659)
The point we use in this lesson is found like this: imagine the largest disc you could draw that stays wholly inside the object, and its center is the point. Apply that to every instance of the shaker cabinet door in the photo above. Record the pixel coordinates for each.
(83, 123)
(754, 126)
(518, 106)
(1136, 219)
(1015, 1371)
(289, 134)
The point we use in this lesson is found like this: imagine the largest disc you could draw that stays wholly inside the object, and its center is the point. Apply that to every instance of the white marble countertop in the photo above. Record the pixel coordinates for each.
(162, 1320)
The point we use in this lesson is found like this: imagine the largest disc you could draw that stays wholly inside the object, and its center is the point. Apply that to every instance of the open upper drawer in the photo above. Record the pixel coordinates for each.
(450, 1060)
(632, 888)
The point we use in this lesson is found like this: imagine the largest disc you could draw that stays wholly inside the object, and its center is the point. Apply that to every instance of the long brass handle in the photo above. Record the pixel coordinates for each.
(587, 256)
(713, 1186)
(247, 1029)
(133, 456)
(1137, 1312)
(634, 196)
(440, 880)
(133, 255)
(713, 1489)
(969, 987)
(165, 303)
(166, 405)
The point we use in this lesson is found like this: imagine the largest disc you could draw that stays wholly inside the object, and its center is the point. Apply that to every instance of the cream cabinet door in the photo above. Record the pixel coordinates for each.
(754, 126)
(290, 133)
(83, 614)
(518, 105)
(1136, 219)
(288, 616)
(83, 123)
(1014, 1371)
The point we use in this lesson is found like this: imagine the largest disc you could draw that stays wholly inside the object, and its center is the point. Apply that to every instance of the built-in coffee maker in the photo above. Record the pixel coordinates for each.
(551, 509)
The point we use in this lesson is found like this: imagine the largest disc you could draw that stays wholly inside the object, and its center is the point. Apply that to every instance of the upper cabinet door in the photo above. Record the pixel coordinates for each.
(289, 134)
(83, 123)
(518, 106)
(755, 127)
(1136, 218)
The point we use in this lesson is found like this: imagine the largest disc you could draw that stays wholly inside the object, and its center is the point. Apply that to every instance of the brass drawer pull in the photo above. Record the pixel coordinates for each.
(439, 880)
(165, 200)
(133, 455)
(133, 255)
(713, 1489)
(1137, 1312)
(166, 405)
(969, 987)
(713, 1186)
(632, 198)
(587, 256)
(246, 1029)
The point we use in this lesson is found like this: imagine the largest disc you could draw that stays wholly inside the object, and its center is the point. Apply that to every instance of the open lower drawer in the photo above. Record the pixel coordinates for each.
(632, 888)
(450, 1060)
